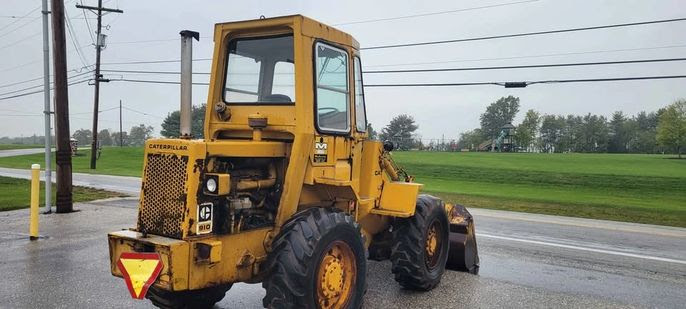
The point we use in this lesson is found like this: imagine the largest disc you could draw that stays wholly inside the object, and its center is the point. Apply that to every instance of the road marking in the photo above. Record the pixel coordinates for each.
(582, 222)
(610, 252)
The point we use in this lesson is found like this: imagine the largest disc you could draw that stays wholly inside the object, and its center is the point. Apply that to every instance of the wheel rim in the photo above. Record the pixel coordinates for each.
(433, 245)
(336, 276)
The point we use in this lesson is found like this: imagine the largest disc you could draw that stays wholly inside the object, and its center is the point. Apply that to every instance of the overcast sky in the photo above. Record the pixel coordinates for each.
(148, 30)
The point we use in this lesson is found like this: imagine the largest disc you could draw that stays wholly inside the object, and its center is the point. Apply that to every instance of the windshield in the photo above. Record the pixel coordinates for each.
(260, 70)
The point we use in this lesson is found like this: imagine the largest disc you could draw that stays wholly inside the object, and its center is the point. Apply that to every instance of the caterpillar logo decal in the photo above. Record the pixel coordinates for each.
(321, 151)
(204, 225)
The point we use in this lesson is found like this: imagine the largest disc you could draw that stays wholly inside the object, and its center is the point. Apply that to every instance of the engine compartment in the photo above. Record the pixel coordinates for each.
(255, 187)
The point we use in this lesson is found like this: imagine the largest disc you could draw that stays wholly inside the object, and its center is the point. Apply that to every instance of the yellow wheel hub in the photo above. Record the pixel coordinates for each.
(433, 245)
(336, 276)
(431, 241)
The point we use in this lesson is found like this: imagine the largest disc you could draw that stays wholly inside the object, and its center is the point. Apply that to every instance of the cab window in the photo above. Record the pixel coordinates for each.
(360, 114)
(260, 70)
(332, 91)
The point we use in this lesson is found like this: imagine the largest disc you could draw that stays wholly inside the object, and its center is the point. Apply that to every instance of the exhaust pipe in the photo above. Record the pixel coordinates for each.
(187, 37)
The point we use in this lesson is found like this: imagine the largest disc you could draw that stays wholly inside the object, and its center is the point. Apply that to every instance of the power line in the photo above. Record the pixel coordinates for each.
(451, 69)
(433, 13)
(41, 91)
(155, 81)
(551, 65)
(37, 78)
(524, 84)
(514, 35)
(40, 85)
(21, 82)
(75, 41)
(21, 40)
(421, 63)
(100, 111)
(88, 25)
(21, 26)
(20, 18)
(152, 61)
(531, 56)
(153, 72)
(142, 113)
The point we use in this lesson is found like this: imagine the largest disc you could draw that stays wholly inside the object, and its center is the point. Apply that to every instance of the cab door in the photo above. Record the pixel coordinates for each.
(333, 112)
(360, 126)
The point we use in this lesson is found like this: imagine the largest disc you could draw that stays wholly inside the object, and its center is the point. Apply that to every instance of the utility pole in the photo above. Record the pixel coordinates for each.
(121, 138)
(63, 156)
(46, 108)
(99, 44)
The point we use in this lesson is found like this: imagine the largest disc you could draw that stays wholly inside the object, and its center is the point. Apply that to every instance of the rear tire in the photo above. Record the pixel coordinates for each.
(317, 260)
(203, 298)
(420, 248)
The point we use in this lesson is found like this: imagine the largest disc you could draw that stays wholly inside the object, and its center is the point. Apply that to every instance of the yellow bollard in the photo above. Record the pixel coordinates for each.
(35, 192)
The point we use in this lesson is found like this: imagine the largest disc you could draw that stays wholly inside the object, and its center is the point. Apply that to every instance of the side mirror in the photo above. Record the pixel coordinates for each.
(388, 146)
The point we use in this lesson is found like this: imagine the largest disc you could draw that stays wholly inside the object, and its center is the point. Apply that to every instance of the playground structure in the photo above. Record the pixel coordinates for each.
(504, 142)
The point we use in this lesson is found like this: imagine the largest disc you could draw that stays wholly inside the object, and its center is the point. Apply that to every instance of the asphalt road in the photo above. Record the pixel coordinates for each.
(526, 261)
(20, 152)
(126, 185)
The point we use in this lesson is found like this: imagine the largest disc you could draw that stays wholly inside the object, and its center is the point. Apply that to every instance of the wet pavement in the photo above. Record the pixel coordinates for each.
(121, 184)
(527, 261)
(21, 152)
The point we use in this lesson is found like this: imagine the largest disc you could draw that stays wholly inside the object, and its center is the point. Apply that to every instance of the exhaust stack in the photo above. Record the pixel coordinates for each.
(187, 37)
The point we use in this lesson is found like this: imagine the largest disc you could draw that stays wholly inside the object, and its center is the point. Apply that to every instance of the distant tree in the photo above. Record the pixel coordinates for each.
(401, 131)
(373, 135)
(170, 125)
(105, 138)
(570, 133)
(83, 136)
(498, 114)
(646, 132)
(139, 134)
(525, 134)
(593, 134)
(618, 134)
(671, 129)
(124, 138)
(551, 133)
(471, 139)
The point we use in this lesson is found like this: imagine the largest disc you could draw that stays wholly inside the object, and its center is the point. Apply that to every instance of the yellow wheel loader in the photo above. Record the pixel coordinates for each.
(285, 188)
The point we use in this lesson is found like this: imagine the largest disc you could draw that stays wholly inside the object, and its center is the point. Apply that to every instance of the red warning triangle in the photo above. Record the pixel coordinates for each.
(140, 270)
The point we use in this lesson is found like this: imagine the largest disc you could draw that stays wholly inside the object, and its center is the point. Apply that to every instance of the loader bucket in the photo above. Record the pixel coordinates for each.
(463, 254)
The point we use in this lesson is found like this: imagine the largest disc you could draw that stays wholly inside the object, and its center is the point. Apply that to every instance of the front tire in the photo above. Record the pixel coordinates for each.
(420, 248)
(317, 261)
(203, 298)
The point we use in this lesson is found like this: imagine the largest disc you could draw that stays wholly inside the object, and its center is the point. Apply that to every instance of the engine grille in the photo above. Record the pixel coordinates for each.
(163, 204)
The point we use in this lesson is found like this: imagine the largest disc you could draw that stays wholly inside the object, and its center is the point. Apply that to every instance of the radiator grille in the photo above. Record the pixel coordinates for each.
(163, 203)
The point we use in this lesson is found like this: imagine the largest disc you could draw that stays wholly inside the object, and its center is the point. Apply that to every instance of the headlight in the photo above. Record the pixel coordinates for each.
(211, 185)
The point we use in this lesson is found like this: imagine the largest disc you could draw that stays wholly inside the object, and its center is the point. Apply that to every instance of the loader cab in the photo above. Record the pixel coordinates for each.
(299, 74)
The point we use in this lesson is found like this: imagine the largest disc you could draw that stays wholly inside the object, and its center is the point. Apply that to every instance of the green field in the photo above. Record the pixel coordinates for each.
(636, 188)
(16, 146)
(126, 161)
(623, 187)
(16, 194)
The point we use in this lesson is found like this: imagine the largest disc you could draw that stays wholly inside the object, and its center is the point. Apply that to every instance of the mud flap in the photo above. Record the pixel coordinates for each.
(463, 254)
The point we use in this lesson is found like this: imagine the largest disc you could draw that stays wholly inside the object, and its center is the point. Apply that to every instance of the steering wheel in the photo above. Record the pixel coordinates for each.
(331, 110)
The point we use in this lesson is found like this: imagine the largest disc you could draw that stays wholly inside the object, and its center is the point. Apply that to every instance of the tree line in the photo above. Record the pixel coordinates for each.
(659, 131)
(136, 136)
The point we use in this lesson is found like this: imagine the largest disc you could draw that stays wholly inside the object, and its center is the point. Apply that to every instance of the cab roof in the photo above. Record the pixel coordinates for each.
(308, 27)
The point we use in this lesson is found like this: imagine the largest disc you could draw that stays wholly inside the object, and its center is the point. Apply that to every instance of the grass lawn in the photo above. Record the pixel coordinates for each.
(623, 187)
(16, 146)
(122, 161)
(16, 193)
